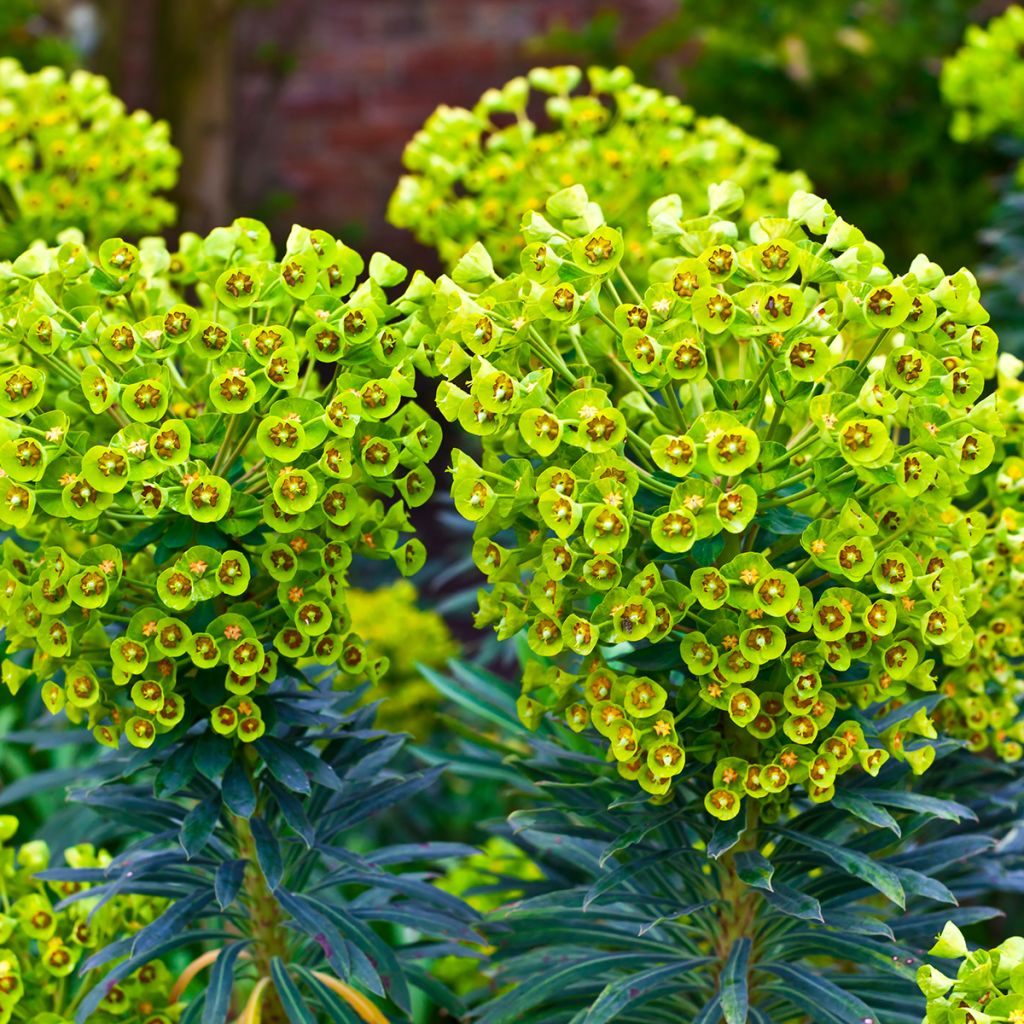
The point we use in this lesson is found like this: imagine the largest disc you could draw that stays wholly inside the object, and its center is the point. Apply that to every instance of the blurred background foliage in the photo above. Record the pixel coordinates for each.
(848, 90)
(277, 113)
(34, 37)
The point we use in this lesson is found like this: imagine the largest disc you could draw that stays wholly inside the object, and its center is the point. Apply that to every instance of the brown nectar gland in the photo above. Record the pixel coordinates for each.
(239, 283)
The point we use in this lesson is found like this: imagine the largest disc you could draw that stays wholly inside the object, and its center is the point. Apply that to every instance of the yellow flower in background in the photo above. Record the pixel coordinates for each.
(394, 626)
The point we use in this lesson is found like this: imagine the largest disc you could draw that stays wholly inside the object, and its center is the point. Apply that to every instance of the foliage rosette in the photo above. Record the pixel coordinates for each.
(735, 508)
(474, 172)
(49, 930)
(74, 156)
(195, 446)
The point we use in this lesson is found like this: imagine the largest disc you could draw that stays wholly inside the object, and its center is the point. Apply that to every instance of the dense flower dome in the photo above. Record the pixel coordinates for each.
(474, 173)
(742, 506)
(74, 157)
(193, 447)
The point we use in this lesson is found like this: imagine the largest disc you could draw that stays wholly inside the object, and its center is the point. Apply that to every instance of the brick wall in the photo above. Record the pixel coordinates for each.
(322, 140)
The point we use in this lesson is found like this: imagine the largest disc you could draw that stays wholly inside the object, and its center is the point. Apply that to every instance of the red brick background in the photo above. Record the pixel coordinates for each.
(321, 141)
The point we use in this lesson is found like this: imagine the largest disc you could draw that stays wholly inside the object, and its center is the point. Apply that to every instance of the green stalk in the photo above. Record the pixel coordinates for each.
(266, 920)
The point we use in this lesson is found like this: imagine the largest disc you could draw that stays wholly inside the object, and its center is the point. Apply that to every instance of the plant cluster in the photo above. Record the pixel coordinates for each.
(290, 908)
(187, 492)
(50, 930)
(988, 987)
(736, 506)
(748, 501)
(74, 157)
(474, 173)
(993, 674)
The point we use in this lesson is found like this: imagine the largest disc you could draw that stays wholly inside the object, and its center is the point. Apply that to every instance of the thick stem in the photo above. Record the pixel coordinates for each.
(266, 922)
(741, 903)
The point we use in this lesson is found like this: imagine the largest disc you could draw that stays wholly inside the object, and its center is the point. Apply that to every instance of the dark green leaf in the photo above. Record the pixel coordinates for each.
(237, 791)
(544, 984)
(199, 825)
(706, 552)
(228, 881)
(283, 766)
(732, 990)
(171, 922)
(853, 862)
(754, 869)
(784, 521)
(268, 852)
(725, 835)
(948, 809)
(794, 903)
(920, 884)
(212, 755)
(711, 1014)
(222, 980)
(291, 999)
(175, 773)
(634, 988)
(821, 999)
(483, 694)
(864, 808)
(293, 812)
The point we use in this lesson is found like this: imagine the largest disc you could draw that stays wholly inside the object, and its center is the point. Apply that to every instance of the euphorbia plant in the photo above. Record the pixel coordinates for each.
(474, 173)
(187, 490)
(196, 445)
(984, 79)
(660, 914)
(734, 504)
(74, 157)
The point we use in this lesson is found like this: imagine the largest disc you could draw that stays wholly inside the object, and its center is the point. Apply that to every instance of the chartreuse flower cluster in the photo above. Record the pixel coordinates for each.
(736, 506)
(985, 695)
(984, 79)
(42, 948)
(988, 987)
(72, 156)
(474, 173)
(195, 444)
(392, 623)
